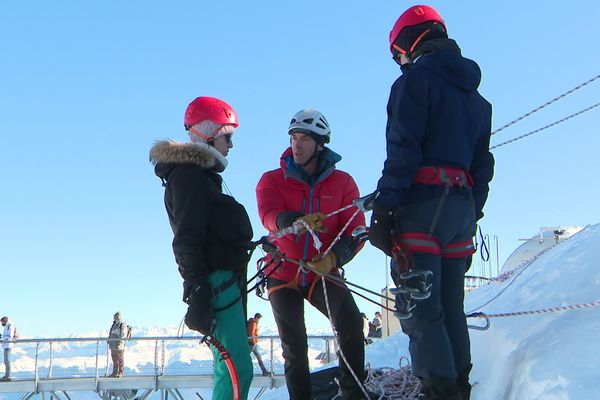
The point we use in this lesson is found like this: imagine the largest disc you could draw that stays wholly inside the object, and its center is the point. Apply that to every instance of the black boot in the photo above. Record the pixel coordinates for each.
(436, 388)
(462, 382)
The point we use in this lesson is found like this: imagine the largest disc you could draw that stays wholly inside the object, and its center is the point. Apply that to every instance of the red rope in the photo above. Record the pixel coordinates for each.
(235, 380)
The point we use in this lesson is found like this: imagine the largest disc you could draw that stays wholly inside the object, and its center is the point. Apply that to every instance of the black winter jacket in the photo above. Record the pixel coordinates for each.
(211, 230)
(436, 117)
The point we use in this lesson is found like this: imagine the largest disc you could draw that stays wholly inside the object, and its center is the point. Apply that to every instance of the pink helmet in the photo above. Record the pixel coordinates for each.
(209, 109)
(414, 16)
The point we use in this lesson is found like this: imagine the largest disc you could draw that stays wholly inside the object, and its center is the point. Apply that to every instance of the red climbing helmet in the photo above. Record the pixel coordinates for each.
(211, 109)
(414, 16)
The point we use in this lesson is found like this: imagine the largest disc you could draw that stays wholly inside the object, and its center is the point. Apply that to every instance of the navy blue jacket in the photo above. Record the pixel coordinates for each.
(436, 117)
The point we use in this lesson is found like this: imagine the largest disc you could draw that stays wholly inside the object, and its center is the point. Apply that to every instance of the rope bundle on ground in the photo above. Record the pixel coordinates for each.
(394, 384)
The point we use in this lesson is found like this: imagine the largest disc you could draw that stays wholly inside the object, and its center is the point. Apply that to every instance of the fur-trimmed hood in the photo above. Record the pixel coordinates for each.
(199, 153)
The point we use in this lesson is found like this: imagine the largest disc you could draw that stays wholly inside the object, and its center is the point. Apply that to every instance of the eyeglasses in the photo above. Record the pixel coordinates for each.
(228, 138)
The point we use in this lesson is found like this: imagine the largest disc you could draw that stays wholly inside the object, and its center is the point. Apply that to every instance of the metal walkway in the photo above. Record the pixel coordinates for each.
(56, 368)
(126, 388)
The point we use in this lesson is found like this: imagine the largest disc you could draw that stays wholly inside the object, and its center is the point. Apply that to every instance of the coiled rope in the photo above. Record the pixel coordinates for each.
(394, 384)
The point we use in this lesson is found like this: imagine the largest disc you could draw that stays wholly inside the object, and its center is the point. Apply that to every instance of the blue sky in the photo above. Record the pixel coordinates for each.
(88, 87)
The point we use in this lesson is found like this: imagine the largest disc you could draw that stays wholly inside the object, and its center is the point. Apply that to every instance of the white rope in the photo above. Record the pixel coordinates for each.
(337, 340)
(394, 384)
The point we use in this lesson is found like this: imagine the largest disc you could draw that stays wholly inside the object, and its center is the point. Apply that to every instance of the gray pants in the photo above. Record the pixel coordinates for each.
(254, 351)
(7, 362)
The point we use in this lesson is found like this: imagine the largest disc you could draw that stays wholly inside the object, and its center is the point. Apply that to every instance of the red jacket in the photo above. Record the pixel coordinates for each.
(286, 189)
(252, 331)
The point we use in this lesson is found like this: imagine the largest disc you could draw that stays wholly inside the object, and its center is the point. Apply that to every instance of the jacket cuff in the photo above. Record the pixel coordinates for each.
(287, 218)
(345, 250)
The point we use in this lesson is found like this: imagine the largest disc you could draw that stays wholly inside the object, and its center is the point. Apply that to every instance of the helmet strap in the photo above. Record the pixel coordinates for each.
(410, 52)
(198, 133)
(314, 156)
(208, 139)
(417, 40)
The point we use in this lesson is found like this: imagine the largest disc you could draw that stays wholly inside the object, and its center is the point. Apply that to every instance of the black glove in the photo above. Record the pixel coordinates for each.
(380, 231)
(199, 316)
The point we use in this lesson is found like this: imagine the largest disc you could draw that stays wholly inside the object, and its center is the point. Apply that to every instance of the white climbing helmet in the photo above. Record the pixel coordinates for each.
(311, 122)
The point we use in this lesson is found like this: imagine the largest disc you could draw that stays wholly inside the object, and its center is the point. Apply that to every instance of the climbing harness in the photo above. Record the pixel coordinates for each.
(413, 285)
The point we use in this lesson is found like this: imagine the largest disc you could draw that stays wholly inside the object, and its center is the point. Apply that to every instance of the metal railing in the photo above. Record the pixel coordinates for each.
(57, 358)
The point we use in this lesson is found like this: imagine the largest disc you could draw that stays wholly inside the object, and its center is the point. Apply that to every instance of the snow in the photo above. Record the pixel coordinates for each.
(549, 355)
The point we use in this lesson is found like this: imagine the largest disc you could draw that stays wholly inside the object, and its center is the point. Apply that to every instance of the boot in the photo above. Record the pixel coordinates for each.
(436, 388)
(462, 382)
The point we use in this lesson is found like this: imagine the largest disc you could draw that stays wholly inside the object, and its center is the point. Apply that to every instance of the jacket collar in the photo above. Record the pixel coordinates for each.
(199, 153)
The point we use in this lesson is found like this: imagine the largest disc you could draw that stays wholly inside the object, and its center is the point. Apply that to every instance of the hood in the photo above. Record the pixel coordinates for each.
(443, 57)
(165, 153)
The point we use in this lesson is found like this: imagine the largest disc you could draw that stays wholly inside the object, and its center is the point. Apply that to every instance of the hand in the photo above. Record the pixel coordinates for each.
(380, 231)
(314, 221)
(323, 265)
(199, 316)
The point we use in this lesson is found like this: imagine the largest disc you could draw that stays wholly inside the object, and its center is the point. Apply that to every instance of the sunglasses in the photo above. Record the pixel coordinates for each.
(228, 138)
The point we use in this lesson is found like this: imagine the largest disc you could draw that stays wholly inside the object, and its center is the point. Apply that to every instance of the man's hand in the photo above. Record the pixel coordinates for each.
(199, 316)
(380, 231)
(314, 221)
(323, 265)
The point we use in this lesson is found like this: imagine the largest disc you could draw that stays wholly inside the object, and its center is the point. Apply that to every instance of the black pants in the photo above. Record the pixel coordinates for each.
(288, 310)
(439, 338)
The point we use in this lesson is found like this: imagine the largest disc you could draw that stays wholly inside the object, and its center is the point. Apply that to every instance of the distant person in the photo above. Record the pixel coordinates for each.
(366, 327)
(118, 330)
(432, 191)
(376, 326)
(252, 330)
(212, 235)
(8, 338)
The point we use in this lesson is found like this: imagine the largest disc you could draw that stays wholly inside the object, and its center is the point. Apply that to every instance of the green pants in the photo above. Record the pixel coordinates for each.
(230, 330)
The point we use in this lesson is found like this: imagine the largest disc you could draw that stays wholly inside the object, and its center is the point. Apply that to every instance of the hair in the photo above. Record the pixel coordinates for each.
(210, 129)
(407, 37)
(257, 315)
